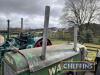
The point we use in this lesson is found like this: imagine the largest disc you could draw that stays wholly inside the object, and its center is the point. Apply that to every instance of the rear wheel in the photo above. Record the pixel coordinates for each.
(39, 43)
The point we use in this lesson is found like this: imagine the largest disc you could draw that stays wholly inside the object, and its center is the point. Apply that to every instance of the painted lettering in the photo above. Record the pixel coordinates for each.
(55, 69)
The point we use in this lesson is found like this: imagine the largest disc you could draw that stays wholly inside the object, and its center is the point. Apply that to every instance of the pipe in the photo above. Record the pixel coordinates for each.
(8, 29)
(75, 36)
(46, 23)
(21, 24)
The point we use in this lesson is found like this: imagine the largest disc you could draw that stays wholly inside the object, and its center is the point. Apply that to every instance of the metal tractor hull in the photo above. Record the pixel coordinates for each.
(16, 64)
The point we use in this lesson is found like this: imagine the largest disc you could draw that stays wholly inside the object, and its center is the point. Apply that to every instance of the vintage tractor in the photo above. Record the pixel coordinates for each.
(23, 41)
(45, 60)
(27, 40)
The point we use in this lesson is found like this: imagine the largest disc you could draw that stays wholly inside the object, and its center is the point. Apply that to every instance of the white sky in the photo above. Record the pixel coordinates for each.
(31, 10)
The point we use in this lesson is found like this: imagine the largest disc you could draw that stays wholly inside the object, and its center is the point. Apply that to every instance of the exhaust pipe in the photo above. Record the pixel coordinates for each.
(75, 36)
(8, 29)
(46, 23)
(21, 24)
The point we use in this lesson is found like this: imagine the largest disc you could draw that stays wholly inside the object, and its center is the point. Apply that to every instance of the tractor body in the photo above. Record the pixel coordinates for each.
(28, 62)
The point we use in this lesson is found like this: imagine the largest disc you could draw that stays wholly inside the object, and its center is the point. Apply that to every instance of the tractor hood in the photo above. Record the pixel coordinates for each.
(31, 58)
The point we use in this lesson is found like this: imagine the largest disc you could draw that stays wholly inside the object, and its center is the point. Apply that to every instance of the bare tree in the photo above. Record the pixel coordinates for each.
(80, 11)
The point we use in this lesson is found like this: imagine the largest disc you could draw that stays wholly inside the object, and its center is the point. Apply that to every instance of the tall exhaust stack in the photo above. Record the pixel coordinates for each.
(21, 24)
(8, 29)
(45, 34)
(75, 36)
(75, 33)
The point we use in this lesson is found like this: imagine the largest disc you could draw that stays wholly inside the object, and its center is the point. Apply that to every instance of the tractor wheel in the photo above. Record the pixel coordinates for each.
(39, 43)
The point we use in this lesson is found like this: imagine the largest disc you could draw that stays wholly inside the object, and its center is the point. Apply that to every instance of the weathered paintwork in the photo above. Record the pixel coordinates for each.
(50, 66)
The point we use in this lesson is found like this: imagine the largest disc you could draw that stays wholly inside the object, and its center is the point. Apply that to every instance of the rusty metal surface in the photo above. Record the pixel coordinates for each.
(54, 54)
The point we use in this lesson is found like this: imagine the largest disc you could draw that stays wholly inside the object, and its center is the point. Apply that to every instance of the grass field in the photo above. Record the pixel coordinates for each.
(56, 41)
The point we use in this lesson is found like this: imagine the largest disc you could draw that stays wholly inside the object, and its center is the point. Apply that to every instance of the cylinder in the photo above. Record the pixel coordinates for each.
(46, 23)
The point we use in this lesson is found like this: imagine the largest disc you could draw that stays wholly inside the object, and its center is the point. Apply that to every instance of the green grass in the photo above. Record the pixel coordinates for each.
(56, 41)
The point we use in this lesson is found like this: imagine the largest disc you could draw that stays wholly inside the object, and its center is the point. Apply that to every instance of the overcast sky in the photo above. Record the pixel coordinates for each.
(31, 10)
